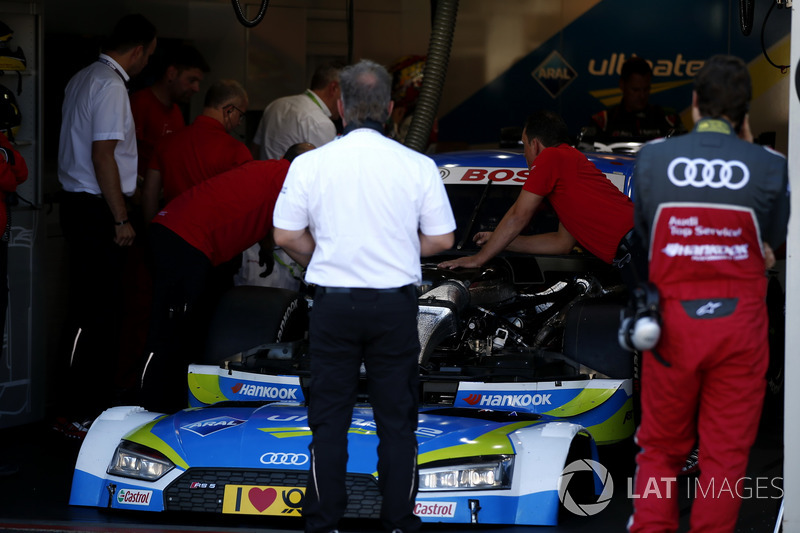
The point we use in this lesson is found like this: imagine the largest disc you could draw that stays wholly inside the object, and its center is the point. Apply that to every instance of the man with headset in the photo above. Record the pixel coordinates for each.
(710, 207)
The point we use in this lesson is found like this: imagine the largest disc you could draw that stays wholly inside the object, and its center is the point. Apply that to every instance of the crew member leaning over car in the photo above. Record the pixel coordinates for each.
(591, 210)
(200, 229)
(710, 206)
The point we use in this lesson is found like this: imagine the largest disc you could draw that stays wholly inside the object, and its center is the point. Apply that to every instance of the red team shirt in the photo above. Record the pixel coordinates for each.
(589, 206)
(227, 213)
(153, 121)
(195, 154)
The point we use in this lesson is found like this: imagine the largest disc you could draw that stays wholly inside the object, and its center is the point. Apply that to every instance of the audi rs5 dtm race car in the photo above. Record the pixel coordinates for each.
(521, 374)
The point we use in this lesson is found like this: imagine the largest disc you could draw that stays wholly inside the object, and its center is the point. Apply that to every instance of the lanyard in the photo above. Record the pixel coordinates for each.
(113, 67)
(313, 97)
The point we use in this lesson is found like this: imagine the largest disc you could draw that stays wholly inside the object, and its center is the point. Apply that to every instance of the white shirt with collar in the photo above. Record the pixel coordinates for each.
(96, 108)
(364, 197)
(291, 120)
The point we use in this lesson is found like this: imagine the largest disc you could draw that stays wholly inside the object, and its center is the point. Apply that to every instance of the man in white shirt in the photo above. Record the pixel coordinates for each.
(302, 118)
(363, 209)
(305, 117)
(97, 167)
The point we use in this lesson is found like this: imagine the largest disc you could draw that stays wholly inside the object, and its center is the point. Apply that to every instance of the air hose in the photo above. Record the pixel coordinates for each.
(243, 20)
(433, 76)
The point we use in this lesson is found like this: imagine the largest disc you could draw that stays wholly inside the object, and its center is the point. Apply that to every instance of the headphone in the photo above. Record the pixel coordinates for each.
(640, 326)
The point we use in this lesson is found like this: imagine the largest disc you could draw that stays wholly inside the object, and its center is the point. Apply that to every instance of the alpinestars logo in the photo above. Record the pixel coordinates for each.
(508, 400)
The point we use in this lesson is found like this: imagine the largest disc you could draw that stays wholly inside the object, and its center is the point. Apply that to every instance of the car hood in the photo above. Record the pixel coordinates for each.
(278, 435)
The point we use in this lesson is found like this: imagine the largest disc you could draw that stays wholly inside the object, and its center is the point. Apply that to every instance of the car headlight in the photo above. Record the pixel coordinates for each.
(139, 462)
(479, 473)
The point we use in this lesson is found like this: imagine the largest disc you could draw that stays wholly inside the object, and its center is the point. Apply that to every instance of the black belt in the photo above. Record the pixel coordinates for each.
(356, 290)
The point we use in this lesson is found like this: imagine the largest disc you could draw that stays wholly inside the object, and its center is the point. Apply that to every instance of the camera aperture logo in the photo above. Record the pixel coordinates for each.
(600, 477)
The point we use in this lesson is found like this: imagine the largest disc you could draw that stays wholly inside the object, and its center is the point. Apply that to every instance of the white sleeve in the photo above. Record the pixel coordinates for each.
(436, 215)
(291, 208)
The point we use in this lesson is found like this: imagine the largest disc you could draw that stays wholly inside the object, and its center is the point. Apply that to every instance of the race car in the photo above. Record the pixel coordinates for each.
(520, 368)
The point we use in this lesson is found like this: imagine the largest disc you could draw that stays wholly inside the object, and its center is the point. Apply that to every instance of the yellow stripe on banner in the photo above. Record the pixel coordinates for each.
(205, 388)
(585, 401)
(763, 75)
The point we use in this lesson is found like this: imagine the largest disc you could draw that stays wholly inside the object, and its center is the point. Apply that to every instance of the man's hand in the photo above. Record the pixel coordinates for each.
(124, 235)
(469, 261)
(266, 258)
(481, 237)
(769, 256)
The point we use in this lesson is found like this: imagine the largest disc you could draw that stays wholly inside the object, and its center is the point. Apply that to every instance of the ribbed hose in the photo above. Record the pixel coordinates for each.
(433, 76)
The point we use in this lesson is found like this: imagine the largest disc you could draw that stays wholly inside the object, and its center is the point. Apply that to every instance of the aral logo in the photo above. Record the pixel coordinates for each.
(554, 74)
(134, 497)
(212, 425)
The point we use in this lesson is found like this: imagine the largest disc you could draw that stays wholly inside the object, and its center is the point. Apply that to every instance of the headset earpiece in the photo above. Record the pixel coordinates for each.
(640, 327)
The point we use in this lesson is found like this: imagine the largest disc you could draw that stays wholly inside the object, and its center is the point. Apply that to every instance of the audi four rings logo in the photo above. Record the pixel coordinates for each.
(293, 459)
(703, 173)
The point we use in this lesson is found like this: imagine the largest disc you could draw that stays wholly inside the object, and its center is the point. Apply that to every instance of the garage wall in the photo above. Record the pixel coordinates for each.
(497, 49)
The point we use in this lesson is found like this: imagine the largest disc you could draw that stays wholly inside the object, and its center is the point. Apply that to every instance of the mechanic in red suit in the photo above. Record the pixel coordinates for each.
(202, 228)
(710, 207)
(182, 159)
(592, 211)
(13, 171)
(156, 109)
(202, 150)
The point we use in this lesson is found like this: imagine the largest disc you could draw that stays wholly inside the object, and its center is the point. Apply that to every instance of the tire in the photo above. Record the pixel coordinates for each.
(249, 316)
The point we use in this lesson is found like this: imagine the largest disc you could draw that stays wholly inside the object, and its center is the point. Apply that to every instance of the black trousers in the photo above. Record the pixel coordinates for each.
(379, 329)
(94, 315)
(186, 290)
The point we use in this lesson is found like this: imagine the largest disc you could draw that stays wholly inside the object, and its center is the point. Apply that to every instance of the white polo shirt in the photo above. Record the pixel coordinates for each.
(291, 120)
(96, 108)
(364, 197)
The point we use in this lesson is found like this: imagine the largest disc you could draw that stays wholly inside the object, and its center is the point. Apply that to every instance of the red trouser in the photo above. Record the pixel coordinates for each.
(713, 391)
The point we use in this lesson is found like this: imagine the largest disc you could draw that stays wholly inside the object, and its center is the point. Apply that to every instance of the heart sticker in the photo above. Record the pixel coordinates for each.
(262, 498)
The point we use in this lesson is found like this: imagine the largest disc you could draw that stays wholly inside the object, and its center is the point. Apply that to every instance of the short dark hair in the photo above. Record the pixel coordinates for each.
(186, 56)
(366, 93)
(129, 32)
(297, 149)
(723, 88)
(635, 65)
(224, 92)
(546, 126)
(326, 73)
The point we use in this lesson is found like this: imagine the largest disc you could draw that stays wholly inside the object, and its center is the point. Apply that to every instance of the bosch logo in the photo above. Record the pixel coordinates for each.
(443, 173)
(703, 173)
(292, 459)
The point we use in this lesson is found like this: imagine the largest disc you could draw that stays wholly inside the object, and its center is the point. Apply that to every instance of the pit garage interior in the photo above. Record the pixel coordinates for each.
(507, 58)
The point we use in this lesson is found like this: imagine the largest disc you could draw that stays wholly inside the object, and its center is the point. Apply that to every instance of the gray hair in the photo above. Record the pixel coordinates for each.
(224, 92)
(366, 93)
